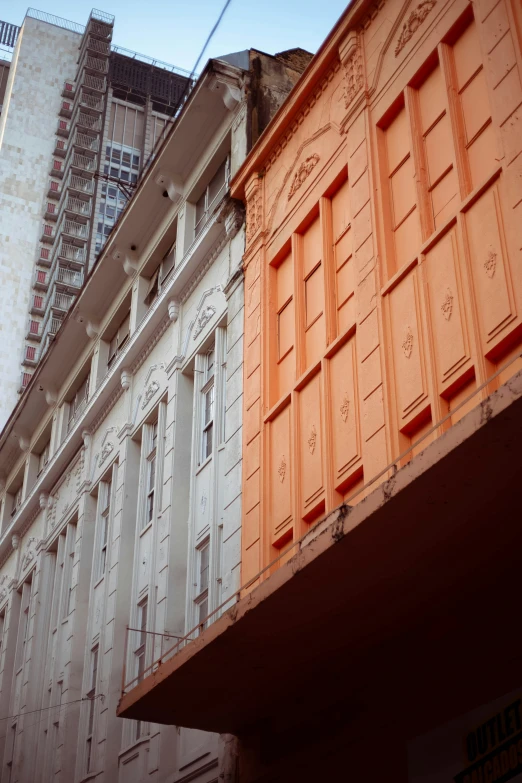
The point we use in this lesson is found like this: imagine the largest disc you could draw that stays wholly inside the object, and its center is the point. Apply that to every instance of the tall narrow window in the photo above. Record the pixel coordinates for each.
(23, 629)
(151, 473)
(68, 566)
(91, 695)
(202, 586)
(79, 402)
(43, 458)
(105, 510)
(119, 340)
(208, 406)
(211, 196)
(140, 653)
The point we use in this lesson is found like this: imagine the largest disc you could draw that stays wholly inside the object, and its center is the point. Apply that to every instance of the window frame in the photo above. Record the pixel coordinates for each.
(119, 341)
(208, 391)
(208, 204)
(91, 714)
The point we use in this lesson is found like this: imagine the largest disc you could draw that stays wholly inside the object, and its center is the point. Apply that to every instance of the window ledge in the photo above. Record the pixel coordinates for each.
(203, 464)
(135, 744)
(147, 527)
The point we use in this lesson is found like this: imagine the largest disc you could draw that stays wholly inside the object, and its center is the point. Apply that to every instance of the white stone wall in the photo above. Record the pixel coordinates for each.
(45, 55)
(72, 607)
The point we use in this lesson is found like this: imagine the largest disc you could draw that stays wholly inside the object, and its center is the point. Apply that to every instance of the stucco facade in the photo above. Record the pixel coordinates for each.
(121, 467)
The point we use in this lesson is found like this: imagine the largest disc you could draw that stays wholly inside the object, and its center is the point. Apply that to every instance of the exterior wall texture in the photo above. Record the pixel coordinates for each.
(383, 281)
(43, 52)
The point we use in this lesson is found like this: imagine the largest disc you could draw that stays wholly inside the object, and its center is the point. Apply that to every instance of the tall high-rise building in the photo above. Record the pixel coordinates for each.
(80, 119)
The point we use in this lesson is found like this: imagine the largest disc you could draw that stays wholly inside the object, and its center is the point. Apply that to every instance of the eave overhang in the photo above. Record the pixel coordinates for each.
(416, 586)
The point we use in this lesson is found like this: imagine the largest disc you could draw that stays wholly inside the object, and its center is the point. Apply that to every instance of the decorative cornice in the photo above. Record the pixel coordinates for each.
(412, 24)
(302, 173)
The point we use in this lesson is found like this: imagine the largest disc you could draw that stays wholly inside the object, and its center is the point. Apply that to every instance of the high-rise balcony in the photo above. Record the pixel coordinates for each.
(37, 304)
(68, 88)
(61, 302)
(95, 65)
(73, 230)
(97, 46)
(44, 256)
(73, 253)
(25, 378)
(85, 143)
(91, 102)
(31, 356)
(41, 280)
(78, 206)
(34, 330)
(88, 122)
(64, 128)
(82, 163)
(77, 184)
(57, 168)
(66, 108)
(69, 278)
(55, 188)
(51, 211)
(48, 233)
(60, 147)
(97, 83)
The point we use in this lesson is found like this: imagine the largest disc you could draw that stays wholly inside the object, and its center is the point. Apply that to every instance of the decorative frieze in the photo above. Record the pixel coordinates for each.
(412, 24)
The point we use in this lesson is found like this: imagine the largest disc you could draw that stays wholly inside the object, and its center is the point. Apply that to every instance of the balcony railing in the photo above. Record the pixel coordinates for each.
(24, 380)
(80, 407)
(83, 162)
(96, 64)
(68, 89)
(64, 128)
(30, 355)
(91, 101)
(74, 229)
(57, 168)
(38, 305)
(41, 280)
(80, 184)
(72, 252)
(60, 147)
(95, 45)
(90, 143)
(89, 121)
(45, 256)
(51, 211)
(61, 301)
(98, 83)
(69, 277)
(78, 206)
(66, 109)
(48, 233)
(33, 330)
(54, 189)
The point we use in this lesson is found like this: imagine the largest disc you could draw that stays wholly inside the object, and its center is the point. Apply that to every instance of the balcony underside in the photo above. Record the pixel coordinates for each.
(411, 600)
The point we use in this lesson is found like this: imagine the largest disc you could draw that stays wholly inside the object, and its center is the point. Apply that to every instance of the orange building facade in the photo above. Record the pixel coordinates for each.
(383, 269)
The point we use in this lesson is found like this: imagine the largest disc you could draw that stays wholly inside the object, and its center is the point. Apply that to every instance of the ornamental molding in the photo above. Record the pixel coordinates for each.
(447, 305)
(310, 103)
(490, 264)
(107, 447)
(312, 440)
(7, 583)
(345, 408)
(152, 389)
(412, 24)
(205, 316)
(254, 212)
(407, 345)
(353, 71)
(302, 173)
(30, 551)
(281, 470)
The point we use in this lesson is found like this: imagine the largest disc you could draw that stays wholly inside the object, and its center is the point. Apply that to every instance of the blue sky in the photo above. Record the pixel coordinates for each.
(175, 31)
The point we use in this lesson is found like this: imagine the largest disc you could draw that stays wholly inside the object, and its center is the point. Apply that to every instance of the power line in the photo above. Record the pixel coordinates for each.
(55, 707)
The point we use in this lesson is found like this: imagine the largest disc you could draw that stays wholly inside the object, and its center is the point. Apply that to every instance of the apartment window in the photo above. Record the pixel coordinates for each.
(43, 457)
(202, 583)
(140, 653)
(211, 196)
(119, 339)
(151, 472)
(91, 695)
(17, 501)
(208, 392)
(159, 278)
(79, 402)
(121, 163)
(23, 629)
(105, 510)
(68, 565)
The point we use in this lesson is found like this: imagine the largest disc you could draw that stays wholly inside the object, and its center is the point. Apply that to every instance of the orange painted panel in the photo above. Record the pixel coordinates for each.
(280, 477)
(445, 198)
(407, 238)
(466, 52)
(482, 156)
(310, 446)
(475, 105)
(315, 341)
(403, 191)
(312, 247)
(341, 210)
(407, 348)
(491, 276)
(314, 295)
(397, 140)
(285, 329)
(439, 149)
(285, 281)
(345, 414)
(432, 100)
(447, 315)
(345, 282)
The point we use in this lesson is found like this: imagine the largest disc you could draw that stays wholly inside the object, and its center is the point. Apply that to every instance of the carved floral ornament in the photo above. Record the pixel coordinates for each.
(490, 264)
(302, 173)
(150, 391)
(204, 317)
(254, 214)
(353, 75)
(407, 345)
(282, 469)
(312, 440)
(107, 449)
(447, 305)
(412, 24)
(345, 408)
(30, 552)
